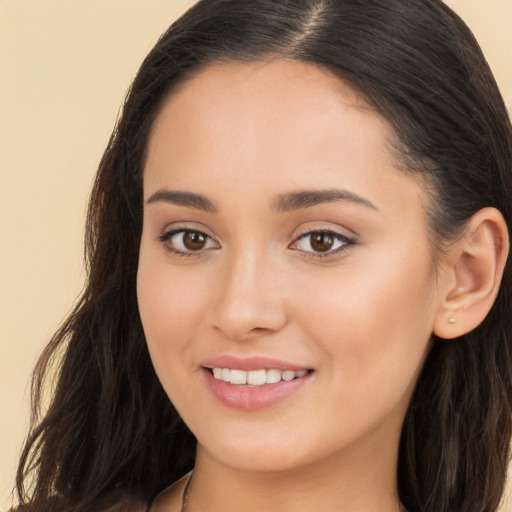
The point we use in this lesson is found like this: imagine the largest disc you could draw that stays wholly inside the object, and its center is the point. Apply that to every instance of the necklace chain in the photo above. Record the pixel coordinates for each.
(184, 496)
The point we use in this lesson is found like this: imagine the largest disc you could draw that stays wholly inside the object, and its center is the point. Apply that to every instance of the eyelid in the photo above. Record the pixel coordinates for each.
(176, 227)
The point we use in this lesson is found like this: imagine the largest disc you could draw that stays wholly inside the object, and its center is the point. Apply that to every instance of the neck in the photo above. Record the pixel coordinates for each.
(347, 483)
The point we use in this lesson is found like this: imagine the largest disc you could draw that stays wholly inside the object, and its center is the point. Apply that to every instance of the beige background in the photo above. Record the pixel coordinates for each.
(64, 68)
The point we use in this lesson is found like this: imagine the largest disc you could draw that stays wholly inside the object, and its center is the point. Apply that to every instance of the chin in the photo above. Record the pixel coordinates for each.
(273, 449)
(262, 459)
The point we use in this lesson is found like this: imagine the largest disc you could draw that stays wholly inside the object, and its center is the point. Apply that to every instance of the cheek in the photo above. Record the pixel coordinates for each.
(372, 322)
(170, 308)
(161, 306)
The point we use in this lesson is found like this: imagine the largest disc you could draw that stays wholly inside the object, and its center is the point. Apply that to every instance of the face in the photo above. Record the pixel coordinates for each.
(286, 284)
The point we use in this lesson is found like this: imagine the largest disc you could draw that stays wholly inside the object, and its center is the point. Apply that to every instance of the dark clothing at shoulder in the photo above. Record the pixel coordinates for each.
(116, 501)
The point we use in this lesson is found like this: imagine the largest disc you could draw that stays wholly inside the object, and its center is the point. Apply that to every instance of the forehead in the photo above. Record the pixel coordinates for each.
(296, 79)
(275, 104)
(271, 127)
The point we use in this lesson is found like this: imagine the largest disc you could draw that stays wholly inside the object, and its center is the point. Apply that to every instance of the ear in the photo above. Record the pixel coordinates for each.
(471, 274)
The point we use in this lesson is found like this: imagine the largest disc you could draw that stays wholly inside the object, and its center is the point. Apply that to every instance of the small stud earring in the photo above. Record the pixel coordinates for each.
(451, 320)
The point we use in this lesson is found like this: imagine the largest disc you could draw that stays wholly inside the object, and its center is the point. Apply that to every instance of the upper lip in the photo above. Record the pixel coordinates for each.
(251, 363)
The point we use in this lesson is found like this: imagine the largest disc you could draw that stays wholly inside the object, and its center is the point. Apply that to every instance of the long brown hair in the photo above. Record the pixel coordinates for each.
(110, 435)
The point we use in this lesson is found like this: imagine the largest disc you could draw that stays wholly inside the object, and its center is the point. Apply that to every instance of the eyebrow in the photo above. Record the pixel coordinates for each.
(283, 203)
(308, 198)
(181, 198)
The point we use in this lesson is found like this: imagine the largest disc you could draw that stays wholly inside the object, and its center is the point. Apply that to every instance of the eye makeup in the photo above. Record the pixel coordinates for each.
(322, 243)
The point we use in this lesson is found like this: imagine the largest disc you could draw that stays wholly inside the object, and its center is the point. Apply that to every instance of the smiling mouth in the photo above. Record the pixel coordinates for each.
(256, 377)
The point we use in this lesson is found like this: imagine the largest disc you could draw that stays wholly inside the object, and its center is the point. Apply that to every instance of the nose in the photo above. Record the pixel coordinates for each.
(250, 298)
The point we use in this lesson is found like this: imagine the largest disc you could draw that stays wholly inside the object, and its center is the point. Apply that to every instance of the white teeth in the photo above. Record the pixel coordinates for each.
(256, 377)
(237, 377)
(273, 376)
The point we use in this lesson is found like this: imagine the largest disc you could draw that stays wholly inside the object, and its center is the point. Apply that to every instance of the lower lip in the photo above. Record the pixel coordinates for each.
(252, 398)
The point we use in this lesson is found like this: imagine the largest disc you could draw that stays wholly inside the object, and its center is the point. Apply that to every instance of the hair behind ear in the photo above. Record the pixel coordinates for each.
(461, 412)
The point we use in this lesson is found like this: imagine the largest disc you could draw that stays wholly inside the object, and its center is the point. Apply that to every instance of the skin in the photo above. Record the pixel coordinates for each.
(243, 135)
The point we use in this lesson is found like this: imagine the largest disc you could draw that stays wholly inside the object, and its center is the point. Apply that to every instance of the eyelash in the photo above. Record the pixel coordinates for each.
(165, 238)
(345, 241)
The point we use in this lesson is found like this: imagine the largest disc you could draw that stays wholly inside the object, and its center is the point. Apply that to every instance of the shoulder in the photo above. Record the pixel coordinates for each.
(115, 501)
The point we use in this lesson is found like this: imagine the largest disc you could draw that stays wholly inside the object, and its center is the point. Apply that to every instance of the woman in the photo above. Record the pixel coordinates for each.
(298, 281)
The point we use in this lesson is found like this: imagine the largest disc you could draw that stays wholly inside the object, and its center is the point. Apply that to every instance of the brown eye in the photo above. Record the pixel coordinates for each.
(187, 242)
(194, 240)
(321, 242)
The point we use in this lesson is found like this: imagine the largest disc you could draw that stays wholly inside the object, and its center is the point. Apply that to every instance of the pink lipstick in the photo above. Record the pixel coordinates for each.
(251, 384)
